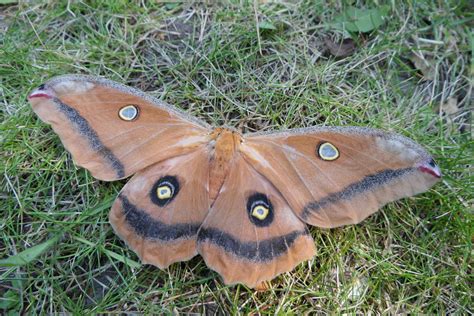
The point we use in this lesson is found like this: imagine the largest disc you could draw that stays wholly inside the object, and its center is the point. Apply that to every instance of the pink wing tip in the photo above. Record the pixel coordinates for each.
(41, 92)
(431, 167)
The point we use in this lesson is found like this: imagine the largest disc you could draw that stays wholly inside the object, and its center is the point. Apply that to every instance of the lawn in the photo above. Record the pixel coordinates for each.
(402, 66)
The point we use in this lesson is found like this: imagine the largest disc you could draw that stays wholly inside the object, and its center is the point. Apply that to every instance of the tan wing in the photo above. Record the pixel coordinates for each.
(113, 130)
(250, 234)
(336, 176)
(159, 211)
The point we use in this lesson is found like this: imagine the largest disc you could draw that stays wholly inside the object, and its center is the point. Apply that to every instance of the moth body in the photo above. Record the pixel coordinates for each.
(225, 143)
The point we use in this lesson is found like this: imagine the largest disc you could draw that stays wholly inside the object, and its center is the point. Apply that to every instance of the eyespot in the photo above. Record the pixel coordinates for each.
(260, 210)
(164, 190)
(128, 112)
(327, 151)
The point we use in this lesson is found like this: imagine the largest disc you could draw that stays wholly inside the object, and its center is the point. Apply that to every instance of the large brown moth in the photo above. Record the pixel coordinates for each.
(240, 201)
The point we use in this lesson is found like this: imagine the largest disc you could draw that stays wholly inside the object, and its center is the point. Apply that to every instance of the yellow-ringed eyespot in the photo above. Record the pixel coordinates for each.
(164, 190)
(260, 212)
(327, 151)
(260, 209)
(128, 112)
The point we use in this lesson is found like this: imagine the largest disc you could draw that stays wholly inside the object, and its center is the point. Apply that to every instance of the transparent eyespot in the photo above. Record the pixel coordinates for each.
(328, 151)
(164, 192)
(260, 212)
(128, 112)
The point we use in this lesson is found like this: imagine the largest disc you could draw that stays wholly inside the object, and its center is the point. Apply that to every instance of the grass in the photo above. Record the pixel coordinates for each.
(414, 256)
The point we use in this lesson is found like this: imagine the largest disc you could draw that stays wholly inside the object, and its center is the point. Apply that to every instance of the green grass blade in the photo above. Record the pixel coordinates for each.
(28, 255)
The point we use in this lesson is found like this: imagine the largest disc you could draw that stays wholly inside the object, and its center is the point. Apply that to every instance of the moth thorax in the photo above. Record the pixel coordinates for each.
(226, 143)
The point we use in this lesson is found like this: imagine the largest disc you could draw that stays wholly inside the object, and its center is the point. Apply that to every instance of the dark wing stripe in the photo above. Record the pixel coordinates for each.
(262, 251)
(81, 124)
(147, 227)
(356, 188)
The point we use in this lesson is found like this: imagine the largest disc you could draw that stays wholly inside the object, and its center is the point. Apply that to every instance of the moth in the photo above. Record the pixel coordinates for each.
(242, 202)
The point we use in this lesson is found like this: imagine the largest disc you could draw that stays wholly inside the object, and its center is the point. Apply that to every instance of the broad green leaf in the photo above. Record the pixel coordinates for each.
(361, 20)
(28, 255)
(9, 300)
(8, 1)
(266, 25)
(171, 5)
